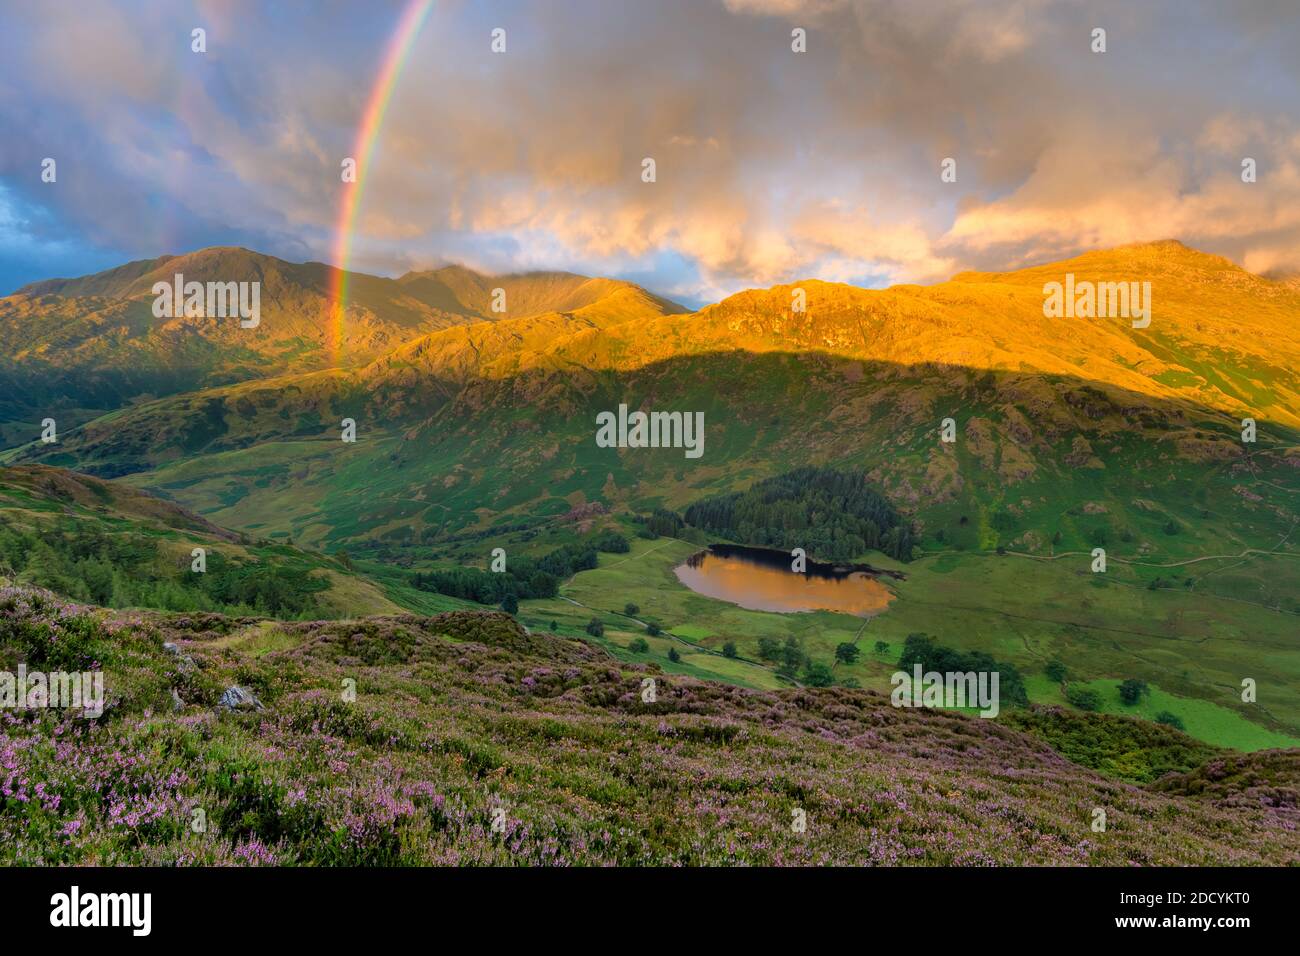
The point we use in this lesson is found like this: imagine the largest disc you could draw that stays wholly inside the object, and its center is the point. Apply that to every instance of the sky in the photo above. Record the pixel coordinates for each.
(770, 165)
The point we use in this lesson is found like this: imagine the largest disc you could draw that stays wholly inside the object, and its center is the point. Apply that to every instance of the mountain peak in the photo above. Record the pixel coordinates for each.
(136, 278)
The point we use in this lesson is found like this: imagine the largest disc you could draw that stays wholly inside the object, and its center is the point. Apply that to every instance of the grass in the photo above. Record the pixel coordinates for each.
(1193, 648)
(1196, 645)
(1202, 719)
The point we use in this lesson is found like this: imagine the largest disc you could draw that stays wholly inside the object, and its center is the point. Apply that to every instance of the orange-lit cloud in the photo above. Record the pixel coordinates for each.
(771, 165)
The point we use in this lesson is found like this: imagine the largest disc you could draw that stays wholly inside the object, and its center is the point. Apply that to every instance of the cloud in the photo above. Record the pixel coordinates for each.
(1093, 190)
(771, 165)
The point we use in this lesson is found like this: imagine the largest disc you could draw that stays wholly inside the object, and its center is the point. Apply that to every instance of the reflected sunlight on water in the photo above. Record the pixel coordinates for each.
(761, 580)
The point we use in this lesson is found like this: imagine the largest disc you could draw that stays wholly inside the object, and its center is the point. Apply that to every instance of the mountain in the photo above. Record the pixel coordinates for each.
(77, 348)
(464, 719)
(1070, 434)
(1047, 409)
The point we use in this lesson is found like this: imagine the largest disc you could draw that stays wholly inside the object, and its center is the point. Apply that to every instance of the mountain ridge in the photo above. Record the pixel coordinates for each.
(75, 348)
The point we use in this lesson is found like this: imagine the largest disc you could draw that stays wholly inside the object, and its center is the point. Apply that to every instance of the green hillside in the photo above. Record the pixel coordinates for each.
(1067, 438)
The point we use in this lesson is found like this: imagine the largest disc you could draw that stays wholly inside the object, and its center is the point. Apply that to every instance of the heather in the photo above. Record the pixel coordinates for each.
(465, 719)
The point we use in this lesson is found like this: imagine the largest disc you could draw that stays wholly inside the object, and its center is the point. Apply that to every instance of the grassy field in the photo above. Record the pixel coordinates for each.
(1202, 719)
(1196, 646)
(1192, 648)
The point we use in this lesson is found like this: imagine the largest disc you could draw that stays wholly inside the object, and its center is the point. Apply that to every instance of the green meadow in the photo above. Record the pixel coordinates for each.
(1192, 648)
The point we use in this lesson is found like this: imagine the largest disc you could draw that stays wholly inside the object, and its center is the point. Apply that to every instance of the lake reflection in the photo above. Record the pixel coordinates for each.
(761, 580)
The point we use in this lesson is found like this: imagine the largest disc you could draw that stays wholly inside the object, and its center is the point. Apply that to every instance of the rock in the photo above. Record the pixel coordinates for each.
(184, 662)
(239, 698)
(177, 703)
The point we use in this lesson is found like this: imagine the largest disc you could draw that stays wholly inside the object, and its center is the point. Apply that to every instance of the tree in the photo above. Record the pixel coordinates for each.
(882, 647)
(654, 630)
(510, 604)
(631, 610)
(833, 514)
(664, 522)
(729, 649)
(1173, 527)
(817, 674)
(1131, 691)
(613, 542)
(554, 626)
(595, 628)
(673, 655)
(847, 653)
(1056, 672)
(769, 648)
(920, 648)
(638, 645)
(791, 655)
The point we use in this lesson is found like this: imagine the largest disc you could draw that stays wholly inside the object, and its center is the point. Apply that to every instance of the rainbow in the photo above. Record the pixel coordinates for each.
(372, 119)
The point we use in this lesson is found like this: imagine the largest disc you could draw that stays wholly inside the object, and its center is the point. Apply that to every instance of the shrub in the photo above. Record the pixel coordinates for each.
(654, 630)
(1056, 672)
(673, 655)
(1131, 691)
(1083, 698)
(729, 649)
(1170, 720)
(595, 628)
(631, 610)
(638, 645)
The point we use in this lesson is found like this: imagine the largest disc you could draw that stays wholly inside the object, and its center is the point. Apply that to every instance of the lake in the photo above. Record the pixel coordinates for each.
(760, 579)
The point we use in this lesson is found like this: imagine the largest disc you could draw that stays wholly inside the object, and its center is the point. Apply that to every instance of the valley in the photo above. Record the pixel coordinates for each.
(477, 430)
